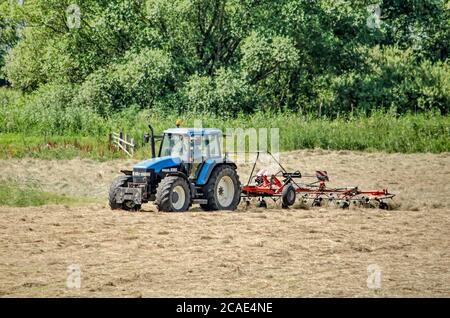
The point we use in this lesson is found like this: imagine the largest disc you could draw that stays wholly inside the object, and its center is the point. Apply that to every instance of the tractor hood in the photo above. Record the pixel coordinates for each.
(157, 164)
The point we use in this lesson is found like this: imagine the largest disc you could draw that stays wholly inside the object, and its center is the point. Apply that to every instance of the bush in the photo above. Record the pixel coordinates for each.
(25, 65)
(393, 79)
(409, 133)
(50, 111)
(139, 80)
(224, 94)
(9, 97)
(432, 84)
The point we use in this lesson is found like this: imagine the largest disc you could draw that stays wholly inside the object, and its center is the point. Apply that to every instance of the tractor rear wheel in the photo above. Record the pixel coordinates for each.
(223, 190)
(121, 181)
(173, 195)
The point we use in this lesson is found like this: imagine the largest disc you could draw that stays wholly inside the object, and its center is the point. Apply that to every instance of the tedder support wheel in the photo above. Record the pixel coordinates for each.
(121, 181)
(384, 206)
(173, 195)
(288, 196)
(223, 190)
(261, 203)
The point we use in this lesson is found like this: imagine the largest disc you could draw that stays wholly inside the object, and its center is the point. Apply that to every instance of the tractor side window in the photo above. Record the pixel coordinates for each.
(181, 148)
(205, 147)
(197, 148)
(175, 146)
(166, 146)
(213, 145)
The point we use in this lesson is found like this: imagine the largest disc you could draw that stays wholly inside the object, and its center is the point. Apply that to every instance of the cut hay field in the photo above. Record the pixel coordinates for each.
(247, 253)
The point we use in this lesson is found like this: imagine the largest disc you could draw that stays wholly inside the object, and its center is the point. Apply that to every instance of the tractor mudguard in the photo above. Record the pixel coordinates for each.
(127, 172)
(207, 168)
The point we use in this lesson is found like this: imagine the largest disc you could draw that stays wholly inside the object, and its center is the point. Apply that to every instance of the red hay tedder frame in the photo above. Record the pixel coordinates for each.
(316, 193)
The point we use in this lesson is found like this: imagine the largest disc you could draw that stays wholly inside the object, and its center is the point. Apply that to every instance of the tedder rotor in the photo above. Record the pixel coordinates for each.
(287, 187)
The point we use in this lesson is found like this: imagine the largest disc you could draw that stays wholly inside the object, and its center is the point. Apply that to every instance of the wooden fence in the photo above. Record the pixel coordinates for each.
(122, 142)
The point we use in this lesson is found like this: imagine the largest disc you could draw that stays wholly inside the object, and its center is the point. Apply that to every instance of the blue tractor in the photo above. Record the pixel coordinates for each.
(189, 169)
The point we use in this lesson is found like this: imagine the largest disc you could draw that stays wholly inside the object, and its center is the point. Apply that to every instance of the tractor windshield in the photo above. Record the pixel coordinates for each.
(175, 146)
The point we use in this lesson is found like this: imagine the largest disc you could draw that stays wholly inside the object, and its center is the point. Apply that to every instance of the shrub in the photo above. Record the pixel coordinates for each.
(50, 111)
(224, 94)
(139, 80)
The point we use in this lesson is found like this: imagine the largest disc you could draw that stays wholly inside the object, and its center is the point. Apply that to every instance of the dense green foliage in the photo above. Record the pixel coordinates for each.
(428, 132)
(225, 57)
(356, 75)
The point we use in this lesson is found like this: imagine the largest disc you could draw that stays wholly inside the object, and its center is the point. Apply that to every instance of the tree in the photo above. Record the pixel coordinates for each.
(421, 25)
(230, 56)
(8, 38)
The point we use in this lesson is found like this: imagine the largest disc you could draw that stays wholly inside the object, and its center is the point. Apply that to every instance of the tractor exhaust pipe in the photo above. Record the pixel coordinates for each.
(152, 141)
(151, 137)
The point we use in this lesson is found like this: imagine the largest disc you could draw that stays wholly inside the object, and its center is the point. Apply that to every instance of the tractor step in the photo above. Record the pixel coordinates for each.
(200, 201)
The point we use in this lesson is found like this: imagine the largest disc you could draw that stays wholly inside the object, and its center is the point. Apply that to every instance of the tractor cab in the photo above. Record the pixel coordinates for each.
(187, 148)
(193, 147)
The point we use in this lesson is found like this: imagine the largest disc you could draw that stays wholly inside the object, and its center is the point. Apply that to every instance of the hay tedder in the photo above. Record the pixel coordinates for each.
(288, 186)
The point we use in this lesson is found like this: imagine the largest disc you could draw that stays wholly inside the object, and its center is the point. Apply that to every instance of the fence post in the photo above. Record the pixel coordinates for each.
(122, 141)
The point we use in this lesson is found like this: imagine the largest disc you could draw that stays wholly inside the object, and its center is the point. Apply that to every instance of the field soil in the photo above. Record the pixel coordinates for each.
(248, 253)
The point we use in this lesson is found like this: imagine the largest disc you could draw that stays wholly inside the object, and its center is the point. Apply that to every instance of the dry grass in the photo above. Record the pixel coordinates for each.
(317, 252)
(270, 253)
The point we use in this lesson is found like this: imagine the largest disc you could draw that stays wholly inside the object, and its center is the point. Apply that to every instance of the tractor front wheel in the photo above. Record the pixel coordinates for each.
(223, 190)
(173, 195)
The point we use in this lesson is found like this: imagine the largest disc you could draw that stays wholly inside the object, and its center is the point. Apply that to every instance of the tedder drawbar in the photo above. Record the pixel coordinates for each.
(191, 168)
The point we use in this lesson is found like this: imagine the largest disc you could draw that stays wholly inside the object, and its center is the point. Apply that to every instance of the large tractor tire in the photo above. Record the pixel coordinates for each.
(223, 190)
(173, 195)
(121, 181)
